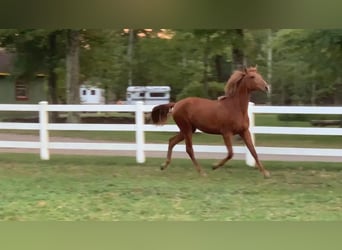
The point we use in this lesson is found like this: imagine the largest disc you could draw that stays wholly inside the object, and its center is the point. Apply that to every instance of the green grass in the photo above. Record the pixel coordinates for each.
(82, 188)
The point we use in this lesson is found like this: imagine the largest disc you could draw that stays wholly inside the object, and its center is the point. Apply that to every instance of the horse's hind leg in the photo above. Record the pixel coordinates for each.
(172, 142)
(227, 137)
(190, 151)
(246, 136)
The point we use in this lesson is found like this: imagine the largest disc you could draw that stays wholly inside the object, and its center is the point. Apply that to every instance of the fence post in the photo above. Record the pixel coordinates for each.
(139, 132)
(43, 130)
(249, 158)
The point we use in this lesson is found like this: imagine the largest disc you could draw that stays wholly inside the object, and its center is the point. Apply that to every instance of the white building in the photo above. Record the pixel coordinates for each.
(91, 95)
(148, 94)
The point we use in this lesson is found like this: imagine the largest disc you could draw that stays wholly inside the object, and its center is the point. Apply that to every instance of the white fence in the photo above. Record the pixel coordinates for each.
(139, 128)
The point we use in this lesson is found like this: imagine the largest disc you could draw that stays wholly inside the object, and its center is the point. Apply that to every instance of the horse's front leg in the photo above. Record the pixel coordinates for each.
(246, 136)
(227, 137)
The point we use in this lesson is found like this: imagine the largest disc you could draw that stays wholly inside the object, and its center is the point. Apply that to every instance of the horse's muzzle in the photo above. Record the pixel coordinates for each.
(267, 88)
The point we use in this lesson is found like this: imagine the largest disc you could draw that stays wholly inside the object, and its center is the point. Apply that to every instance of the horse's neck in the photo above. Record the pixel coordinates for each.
(241, 100)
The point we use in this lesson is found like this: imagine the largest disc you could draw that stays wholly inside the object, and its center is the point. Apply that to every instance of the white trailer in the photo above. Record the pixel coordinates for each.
(91, 95)
(148, 94)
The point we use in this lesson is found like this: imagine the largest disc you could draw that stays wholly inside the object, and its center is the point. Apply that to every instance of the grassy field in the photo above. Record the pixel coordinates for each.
(83, 188)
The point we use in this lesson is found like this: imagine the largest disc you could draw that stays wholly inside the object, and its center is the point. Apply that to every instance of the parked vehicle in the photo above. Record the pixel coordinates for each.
(91, 95)
(148, 94)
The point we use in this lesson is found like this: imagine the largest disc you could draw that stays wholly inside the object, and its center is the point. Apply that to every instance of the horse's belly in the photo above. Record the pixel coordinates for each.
(208, 129)
(212, 128)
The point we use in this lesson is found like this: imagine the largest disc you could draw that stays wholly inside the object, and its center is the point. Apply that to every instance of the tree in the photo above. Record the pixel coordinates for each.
(193, 57)
(103, 61)
(238, 55)
(208, 39)
(166, 58)
(37, 51)
(72, 71)
(307, 66)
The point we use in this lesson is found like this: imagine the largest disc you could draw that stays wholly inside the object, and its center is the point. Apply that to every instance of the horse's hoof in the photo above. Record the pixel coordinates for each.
(267, 175)
(204, 174)
(215, 166)
(164, 165)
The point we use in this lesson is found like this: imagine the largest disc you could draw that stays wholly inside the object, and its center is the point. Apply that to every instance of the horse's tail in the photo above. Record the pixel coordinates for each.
(160, 113)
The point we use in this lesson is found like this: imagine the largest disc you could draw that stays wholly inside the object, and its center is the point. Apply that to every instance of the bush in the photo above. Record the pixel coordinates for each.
(215, 89)
(307, 118)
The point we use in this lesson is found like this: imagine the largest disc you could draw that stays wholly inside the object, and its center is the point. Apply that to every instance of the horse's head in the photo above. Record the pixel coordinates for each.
(254, 81)
(248, 78)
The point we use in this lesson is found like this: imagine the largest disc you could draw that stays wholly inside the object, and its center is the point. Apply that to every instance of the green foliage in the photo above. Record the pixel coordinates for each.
(193, 89)
(215, 89)
(175, 62)
(103, 61)
(307, 117)
(305, 65)
(29, 46)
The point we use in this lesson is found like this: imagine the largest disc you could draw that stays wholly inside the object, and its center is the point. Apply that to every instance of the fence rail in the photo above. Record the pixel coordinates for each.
(140, 147)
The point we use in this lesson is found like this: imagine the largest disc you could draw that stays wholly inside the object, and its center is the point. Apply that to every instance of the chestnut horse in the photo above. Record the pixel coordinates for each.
(226, 116)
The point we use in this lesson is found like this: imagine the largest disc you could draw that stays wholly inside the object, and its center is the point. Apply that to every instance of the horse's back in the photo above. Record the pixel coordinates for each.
(192, 104)
(195, 101)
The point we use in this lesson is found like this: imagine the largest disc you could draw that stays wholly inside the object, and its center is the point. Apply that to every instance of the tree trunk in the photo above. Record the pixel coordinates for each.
(218, 67)
(313, 94)
(72, 73)
(206, 65)
(338, 92)
(52, 76)
(237, 51)
(269, 64)
(130, 56)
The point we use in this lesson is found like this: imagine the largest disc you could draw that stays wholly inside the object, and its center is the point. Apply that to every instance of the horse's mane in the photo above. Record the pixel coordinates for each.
(235, 78)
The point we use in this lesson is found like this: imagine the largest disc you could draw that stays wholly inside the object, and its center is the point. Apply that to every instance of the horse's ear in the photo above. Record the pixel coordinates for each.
(256, 66)
(245, 70)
